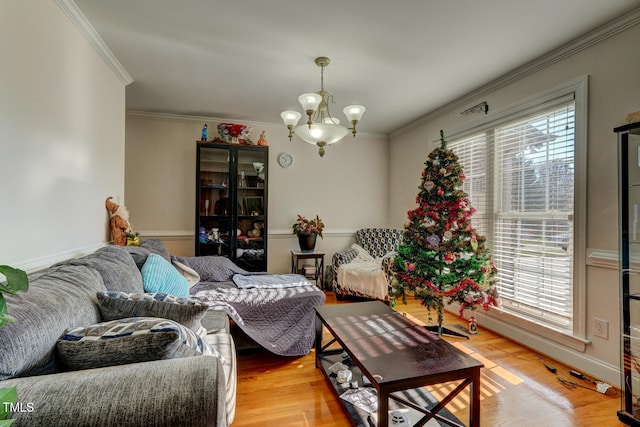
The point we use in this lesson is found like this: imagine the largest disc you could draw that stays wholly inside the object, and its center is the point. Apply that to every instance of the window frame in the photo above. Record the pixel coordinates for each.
(578, 90)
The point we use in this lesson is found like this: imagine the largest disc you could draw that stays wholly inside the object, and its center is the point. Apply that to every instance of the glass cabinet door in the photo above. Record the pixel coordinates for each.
(251, 219)
(213, 203)
(231, 203)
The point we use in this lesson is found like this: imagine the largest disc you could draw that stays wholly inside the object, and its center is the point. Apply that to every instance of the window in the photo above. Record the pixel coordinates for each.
(521, 179)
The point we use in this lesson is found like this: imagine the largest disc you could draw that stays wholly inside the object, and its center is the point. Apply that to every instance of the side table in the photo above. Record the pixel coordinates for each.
(317, 273)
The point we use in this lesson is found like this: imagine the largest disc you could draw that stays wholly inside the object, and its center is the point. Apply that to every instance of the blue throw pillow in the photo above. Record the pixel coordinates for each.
(158, 275)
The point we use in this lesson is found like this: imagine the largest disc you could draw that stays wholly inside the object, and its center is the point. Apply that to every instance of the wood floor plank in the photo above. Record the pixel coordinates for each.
(517, 390)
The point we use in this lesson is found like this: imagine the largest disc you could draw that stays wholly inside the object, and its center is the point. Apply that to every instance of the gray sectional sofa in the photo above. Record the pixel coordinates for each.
(189, 390)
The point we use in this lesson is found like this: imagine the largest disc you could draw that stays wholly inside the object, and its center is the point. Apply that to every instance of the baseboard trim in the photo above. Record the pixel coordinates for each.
(562, 353)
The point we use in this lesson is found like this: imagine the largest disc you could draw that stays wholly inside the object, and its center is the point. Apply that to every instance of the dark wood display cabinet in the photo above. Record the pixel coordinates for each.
(629, 253)
(231, 203)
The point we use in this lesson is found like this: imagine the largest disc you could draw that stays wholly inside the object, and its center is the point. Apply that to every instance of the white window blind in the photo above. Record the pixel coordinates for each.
(520, 178)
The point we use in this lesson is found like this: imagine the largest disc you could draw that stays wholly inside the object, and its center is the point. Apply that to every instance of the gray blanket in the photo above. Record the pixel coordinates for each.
(282, 320)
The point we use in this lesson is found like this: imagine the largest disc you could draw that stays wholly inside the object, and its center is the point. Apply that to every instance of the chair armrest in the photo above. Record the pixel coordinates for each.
(175, 392)
(340, 258)
(386, 264)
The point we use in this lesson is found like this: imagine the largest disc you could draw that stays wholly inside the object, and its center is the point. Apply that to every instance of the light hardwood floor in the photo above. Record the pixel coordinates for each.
(517, 390)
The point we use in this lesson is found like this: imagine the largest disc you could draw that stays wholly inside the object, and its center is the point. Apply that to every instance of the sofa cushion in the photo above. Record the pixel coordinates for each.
(130, 340)
(58, 298)
(186, 311)
(150, 246)
(117, 268)
(139, 254)
(225, 345)
(189, 391)
(158, 275)
(158, 247)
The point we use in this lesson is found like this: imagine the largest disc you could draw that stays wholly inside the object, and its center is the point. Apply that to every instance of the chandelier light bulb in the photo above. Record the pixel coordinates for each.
(316, 132)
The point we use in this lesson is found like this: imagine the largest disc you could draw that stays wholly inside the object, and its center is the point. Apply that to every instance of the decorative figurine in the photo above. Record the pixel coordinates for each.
(263, 138)
(473, 326)
(118, 222)
(203, 138)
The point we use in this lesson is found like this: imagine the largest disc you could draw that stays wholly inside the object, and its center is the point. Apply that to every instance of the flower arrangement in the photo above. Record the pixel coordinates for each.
(306, 226)
(230, 131)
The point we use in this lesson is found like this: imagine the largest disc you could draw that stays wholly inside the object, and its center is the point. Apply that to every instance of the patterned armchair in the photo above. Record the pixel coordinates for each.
(378, 242)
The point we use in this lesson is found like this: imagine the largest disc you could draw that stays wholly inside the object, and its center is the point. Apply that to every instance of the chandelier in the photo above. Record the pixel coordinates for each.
(321, 129)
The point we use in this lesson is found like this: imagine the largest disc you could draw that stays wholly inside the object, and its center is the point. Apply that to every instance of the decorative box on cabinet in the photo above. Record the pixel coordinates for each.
(629, 253)
(231, 203)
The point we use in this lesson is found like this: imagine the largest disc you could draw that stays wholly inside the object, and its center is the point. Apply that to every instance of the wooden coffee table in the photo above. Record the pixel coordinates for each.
(395, 354)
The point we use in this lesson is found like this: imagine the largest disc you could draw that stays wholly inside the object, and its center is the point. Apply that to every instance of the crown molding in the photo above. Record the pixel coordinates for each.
(583, 42)
(82, 23)
(183, 117)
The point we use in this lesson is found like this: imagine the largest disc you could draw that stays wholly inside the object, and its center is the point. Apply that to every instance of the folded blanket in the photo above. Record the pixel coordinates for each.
(271, 281)
(364, 275)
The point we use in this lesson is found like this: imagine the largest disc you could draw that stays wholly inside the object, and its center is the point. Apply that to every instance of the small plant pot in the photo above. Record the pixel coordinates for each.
(307, 242)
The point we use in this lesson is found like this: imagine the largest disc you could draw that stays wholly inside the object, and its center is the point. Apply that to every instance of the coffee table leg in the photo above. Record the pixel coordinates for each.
(383, 409)
(474, 414)
(318, 340)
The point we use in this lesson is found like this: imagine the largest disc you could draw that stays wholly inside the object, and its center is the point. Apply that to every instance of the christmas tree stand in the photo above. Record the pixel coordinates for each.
(440, 330)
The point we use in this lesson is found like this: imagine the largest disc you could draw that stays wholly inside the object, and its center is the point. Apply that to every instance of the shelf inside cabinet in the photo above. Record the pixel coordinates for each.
(213, 186)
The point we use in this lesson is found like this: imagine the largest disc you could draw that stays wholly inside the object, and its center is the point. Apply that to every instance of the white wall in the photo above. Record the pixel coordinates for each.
(61, 136)
(348, 187)
(613, 67)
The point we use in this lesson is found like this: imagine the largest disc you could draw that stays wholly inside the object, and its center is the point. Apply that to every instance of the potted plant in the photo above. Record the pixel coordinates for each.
(16, 281)
(307, 231)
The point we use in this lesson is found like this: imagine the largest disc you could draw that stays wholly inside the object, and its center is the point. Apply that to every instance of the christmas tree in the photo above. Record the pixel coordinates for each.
(442, 256)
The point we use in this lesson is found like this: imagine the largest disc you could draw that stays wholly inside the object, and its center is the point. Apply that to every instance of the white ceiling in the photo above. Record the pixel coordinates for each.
(250, 59)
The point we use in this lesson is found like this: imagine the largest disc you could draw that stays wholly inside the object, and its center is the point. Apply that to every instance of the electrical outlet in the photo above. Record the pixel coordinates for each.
(600, 328)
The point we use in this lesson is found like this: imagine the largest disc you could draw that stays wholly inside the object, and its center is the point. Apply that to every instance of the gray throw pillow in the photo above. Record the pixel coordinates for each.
(186, 311)
(131, 340)
(139, 254)
(157, 246)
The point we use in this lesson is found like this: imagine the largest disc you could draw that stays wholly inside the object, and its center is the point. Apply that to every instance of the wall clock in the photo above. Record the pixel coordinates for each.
(285, 160)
